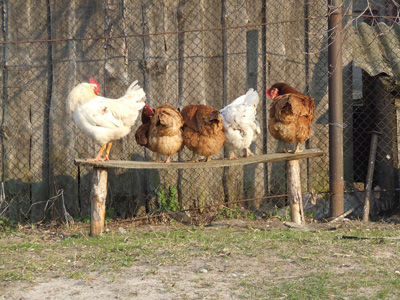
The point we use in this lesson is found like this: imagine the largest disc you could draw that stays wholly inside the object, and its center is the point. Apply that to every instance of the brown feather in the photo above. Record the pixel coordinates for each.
(284, 88)
(163, 132)
(290, 118)
(203, 129)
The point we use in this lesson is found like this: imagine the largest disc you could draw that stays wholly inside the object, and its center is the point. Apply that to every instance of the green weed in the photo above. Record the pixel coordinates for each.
(235, 212)
(168, 200)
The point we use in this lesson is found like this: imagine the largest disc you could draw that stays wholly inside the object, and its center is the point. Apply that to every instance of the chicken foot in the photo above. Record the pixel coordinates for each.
(284, 148)
(158, 159)
(296, 149)
(193, 159)
(206, 159)
(248, 153)
(232, 155)
(99, 155)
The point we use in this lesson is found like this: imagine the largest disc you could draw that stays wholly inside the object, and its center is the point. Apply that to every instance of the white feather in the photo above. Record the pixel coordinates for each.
(240, 124)
(79, 95)
(106, 119)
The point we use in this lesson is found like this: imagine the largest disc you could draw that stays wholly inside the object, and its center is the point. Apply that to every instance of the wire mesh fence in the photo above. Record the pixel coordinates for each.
(190, 52)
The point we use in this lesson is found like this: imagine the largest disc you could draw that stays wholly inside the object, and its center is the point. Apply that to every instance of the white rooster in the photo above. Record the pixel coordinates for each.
(81, 94)
(105, 119)
(240, 124)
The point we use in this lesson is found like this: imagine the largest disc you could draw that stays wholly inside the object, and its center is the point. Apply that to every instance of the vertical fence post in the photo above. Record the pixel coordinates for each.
(336, 184)
(263, 95)
(252, 38)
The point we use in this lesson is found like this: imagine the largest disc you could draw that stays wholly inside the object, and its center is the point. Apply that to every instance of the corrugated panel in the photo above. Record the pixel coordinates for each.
(376, 49)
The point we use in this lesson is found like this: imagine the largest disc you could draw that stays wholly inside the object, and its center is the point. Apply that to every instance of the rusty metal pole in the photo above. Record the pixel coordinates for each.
(370, 174)
(336, 185)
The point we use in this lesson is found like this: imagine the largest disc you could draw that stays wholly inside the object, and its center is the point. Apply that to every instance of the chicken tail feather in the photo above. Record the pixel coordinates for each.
(252, 98)
(135, 92)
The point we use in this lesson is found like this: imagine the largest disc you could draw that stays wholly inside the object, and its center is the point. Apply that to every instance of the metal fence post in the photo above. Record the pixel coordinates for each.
(336, 185)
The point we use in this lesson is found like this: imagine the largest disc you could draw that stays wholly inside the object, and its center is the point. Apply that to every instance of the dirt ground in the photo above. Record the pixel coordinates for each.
(213, 277)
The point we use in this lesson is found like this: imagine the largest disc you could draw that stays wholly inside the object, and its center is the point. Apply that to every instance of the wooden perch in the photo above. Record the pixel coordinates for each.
(216, 163)
(99, 181)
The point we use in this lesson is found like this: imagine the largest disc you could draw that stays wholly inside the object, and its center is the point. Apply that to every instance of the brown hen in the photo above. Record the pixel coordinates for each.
(161, 131)
(290, 115)
(203, 130)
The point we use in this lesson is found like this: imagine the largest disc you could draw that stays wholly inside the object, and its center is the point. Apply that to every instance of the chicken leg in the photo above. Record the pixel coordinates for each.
(193, 159)
(284, 148)
(99, 155)
(297, 150)
(248, 153)
(207, 159)
(107, 156)
(232, 155)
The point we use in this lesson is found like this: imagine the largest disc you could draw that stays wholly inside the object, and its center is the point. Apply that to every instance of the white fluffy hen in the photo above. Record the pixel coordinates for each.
(240, 124)
(105, 119)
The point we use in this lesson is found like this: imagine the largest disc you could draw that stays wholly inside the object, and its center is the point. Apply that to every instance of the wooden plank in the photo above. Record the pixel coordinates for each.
(73, 62)
(87, 61)
(200, 80)
(18, 98)
(318, 76)
(265, 158)
(116, 80)
(348, 154)
(39, 95)
(116, 77)
(154, 62)
(255, 63)
(252, 38)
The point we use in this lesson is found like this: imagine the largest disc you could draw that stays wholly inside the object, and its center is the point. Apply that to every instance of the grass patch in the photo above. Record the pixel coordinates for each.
(263, 263)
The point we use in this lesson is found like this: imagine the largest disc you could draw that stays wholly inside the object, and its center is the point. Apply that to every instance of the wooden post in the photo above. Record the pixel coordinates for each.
(370, 175)
(294, 191)
(98, 200)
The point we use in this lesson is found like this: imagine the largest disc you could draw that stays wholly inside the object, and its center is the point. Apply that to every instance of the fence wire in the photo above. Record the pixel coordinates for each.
(186, 52)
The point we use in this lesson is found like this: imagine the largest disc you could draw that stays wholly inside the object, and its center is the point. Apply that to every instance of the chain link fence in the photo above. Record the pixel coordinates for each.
(190, 52)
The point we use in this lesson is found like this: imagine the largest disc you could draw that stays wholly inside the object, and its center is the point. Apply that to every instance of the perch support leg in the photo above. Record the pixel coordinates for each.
(98, 197)
(294, 191)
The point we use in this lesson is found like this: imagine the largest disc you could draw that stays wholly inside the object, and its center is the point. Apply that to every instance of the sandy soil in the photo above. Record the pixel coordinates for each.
(216, 277)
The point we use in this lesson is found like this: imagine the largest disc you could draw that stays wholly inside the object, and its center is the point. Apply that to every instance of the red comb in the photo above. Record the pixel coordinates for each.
(268, 91)
(97, 88)
(149, 108)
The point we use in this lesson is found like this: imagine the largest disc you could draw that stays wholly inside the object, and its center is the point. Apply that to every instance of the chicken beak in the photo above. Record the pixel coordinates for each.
(268, 92)
(272, 93)
(148, 107)
(150, 110)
